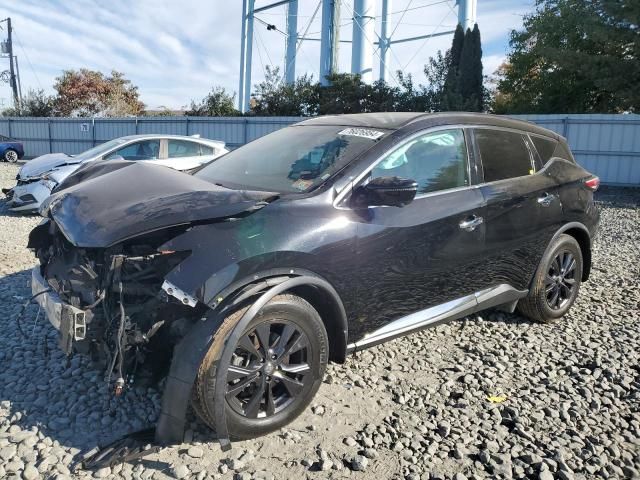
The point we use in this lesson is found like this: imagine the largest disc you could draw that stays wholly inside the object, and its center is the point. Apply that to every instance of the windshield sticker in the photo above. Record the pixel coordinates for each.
(302, 184)
(362, 132)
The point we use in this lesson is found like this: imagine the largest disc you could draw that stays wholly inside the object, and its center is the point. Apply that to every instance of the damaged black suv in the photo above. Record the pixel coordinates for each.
(238, 284)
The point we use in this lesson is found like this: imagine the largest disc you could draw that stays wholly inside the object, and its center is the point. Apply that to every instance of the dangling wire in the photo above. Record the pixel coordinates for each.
(24, 309)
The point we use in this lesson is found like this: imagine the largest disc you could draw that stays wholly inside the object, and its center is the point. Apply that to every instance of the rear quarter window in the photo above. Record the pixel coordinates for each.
(545, 147)
(562, 151)
(504, 154)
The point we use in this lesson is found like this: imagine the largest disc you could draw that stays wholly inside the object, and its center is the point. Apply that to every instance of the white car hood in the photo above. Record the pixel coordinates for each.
(60, 173)
(44, 163)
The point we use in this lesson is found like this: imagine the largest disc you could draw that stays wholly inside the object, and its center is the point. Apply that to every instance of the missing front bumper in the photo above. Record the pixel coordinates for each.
(70, 321)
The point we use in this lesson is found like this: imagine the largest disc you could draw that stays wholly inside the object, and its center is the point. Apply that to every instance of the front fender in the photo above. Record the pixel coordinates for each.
(227, 252)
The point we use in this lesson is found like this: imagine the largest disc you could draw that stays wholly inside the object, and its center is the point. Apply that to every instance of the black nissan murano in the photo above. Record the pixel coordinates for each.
(237, 284)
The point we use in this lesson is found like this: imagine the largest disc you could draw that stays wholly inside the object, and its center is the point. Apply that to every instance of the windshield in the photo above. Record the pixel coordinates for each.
(292, 160)
(100, 149)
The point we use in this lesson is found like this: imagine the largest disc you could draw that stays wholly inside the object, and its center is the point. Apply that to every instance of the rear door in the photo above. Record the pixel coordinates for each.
(143, 150)
(183, 154)
(522, 207)
(430, 251)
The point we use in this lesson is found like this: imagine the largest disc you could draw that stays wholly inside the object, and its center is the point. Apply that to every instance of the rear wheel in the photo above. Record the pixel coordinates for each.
(10, 156)
(276, 368)
(557, 281)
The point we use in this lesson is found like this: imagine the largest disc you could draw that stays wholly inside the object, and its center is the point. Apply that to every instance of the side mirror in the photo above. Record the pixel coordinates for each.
(386, 191)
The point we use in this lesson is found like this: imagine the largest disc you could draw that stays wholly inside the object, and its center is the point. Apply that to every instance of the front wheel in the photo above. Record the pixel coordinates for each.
(557, 281)
(10, 156)
(276, 368)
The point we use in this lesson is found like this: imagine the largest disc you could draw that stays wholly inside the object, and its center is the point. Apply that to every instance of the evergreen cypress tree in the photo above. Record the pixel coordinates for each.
(451, 95)
(470, 72)
(478, 78)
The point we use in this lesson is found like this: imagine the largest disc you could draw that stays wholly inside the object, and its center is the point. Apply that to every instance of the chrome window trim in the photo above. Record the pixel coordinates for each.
(349, 186)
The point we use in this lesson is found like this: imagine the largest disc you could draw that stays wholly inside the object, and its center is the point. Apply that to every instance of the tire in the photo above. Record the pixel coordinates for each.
(285, 316)
(556, 283)
(10, 156)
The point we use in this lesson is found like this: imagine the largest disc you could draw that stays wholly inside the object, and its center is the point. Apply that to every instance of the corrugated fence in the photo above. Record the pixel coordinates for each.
(607, 145)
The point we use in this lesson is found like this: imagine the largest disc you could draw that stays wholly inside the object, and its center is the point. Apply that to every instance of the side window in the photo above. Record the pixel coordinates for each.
(206, 150)
(504, 154)
(183, 148)
(437, 161)
(544, 146)
(145, 150)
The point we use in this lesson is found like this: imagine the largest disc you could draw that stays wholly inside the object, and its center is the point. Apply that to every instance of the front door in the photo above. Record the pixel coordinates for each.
(523, 209)
(430, 251)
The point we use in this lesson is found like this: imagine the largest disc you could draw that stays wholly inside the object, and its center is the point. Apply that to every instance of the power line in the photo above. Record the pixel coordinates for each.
(417, 7)
(401, 17)
(28, 60)
(306, 30)
(427, 39)
(264, 72)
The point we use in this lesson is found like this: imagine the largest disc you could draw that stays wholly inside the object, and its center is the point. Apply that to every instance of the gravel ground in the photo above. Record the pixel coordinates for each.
(567, 396)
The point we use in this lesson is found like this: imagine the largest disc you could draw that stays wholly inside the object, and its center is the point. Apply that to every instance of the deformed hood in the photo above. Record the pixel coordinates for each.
(44, 163)
(110, 208)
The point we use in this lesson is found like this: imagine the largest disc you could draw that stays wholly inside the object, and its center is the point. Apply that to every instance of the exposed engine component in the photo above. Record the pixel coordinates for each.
(119, 313)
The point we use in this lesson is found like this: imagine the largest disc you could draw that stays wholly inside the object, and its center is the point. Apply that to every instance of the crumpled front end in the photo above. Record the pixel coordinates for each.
(26, 197)
(109, 303)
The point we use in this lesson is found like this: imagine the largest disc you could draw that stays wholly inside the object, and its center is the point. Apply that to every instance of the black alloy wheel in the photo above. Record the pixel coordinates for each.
(275, 370)
(556, 283)
(560, 280)
(269, 369)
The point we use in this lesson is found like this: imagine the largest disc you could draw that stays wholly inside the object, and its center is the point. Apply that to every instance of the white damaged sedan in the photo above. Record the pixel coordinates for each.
(38, 177)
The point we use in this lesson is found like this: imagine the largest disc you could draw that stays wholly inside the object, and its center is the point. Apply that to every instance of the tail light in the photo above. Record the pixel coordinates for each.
(592, 183)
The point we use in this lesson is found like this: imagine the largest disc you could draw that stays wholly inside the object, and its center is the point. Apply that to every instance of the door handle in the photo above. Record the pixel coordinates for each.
(470, 224)
(546, 199)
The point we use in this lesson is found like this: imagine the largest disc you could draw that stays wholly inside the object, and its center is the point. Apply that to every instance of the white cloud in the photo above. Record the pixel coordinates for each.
(177, 50)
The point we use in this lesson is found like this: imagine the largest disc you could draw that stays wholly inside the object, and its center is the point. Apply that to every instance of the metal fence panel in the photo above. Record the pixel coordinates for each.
(607, 145)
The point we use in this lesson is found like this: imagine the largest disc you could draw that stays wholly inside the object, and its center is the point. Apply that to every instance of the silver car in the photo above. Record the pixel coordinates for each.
(38, 177)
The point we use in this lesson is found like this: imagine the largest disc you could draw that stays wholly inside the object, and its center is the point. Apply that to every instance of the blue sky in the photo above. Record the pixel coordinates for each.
(176, 51)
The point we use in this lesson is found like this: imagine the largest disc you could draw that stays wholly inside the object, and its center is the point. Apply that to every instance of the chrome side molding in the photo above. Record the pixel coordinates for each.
(458, 308)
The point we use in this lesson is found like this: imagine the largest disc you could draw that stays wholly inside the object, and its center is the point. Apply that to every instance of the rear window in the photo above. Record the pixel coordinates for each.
(504, 154)
(545, 147)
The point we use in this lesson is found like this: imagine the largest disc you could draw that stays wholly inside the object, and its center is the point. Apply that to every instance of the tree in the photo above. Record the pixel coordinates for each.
(36, 104)
(470, 77)
(451, 97)
(217, 103)
(463, 84)
(86, 93)
(346, 93)
(437, 71)
(274, 96)
(574, 56)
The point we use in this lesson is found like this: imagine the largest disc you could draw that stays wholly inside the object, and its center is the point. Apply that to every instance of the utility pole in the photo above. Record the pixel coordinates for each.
(8, 48)
(330, 39)
(18, 77)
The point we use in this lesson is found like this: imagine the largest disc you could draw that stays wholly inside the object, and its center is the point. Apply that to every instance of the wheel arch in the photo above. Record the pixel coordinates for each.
(317, 291)
(581, 234)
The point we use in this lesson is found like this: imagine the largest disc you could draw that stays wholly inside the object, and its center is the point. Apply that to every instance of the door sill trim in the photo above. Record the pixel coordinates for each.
(432, 316)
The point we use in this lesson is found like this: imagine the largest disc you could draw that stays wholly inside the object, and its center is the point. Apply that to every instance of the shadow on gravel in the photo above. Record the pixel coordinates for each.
(67, 399)
(493, 315)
